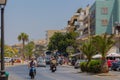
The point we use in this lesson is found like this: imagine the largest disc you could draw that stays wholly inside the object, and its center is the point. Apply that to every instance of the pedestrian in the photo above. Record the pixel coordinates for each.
(12, 61)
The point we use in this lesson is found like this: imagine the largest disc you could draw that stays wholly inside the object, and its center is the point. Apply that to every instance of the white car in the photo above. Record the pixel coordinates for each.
(77, 63)
(7, 59)
(41, 62)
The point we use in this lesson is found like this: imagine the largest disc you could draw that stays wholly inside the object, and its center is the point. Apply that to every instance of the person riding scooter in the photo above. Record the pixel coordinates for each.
(32, 66)
(53, 62)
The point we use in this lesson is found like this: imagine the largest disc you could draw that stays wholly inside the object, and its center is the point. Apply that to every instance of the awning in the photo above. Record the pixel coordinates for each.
(76, 54)
(113, 55)
(97, 56)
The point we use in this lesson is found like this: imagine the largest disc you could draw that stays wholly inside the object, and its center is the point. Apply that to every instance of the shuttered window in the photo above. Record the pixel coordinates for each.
(104, 22)
(104, 10)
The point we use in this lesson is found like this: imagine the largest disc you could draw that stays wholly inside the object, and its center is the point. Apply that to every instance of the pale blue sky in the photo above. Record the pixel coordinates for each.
(35, 17)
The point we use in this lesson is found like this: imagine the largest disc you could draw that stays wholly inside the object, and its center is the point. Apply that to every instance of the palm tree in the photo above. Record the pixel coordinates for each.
(103, 44)
(24, 38)
(88, 49)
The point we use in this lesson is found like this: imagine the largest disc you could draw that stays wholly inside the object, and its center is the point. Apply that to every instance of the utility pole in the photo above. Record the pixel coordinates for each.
(89, 31)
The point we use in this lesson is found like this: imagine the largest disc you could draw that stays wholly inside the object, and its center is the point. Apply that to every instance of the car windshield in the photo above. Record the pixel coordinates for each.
(40, 59)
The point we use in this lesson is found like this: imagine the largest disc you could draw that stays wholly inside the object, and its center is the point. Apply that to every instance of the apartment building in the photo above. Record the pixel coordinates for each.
(101, 17)
(105, 18)
(104, 14)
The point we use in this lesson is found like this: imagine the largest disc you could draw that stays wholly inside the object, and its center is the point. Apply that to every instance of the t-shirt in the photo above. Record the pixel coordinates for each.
(54, 61)
(32, 64)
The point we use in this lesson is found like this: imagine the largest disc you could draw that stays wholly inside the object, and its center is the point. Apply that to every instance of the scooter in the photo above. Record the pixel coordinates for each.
(32, 72)
(53, 68)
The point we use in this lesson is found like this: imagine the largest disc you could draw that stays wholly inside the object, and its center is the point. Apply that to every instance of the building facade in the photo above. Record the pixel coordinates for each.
(104, 14)
(105, 18)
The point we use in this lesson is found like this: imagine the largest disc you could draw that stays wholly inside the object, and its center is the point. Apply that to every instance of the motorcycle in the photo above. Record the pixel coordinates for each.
(32, 72)
(53, 68)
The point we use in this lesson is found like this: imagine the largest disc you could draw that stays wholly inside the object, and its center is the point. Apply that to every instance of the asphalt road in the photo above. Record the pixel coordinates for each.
(20, 72)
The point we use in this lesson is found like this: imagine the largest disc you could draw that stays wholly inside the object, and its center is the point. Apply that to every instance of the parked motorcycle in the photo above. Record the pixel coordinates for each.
(32, 72)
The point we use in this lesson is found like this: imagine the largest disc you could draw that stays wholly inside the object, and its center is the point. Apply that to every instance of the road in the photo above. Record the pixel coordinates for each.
(20, 72)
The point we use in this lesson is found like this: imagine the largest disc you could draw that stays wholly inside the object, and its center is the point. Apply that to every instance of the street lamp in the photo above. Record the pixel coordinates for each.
(2, 73)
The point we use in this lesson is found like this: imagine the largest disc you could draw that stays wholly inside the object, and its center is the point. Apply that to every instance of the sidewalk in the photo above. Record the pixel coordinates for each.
(110, 73)
(15, 64)
(13, 77)
(107, 74)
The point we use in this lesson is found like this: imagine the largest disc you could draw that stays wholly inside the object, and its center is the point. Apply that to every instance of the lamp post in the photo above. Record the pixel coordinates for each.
(2, 73)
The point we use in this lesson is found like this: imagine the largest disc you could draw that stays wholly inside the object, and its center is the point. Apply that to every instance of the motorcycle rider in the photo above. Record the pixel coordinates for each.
(33, 64)
(53, 61)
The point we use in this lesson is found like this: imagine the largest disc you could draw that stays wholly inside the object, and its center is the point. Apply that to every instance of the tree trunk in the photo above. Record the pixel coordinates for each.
(104, 66)
(23, 55)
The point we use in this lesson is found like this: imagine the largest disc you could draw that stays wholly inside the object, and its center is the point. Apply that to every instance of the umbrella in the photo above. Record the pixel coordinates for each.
(113, 55)
(76, 54)
(97, 56)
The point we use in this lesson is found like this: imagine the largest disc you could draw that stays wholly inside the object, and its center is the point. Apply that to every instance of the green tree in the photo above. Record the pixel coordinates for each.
(103, 44)
(60, 41)
(70, 50)
(55, 40)
(29, 49)
(10, 52)
(24, 38)
(39, 50)
(88, 49)
(71, 39)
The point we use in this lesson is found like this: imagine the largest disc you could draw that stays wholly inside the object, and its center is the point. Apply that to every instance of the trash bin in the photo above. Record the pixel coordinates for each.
(5, 77)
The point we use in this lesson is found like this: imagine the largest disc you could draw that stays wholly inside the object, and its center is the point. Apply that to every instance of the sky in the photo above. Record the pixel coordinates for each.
(35, 17)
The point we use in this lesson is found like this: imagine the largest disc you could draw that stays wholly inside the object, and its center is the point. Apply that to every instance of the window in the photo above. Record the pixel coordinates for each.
(105, 10)
(104, 22)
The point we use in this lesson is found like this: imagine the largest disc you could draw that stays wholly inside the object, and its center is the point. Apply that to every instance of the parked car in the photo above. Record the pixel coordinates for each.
(41, 62)
(7, 59)
(47, 60)
(17, 60)
(109, 62)
(115, 66)
(77, 63)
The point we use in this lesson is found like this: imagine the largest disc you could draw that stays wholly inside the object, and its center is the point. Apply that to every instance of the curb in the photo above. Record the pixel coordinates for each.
(106, 74)
(15, 64)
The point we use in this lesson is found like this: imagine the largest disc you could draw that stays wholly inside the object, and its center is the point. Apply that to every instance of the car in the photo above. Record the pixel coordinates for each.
(17, 60)
(41, 62)
(115, 66)
(7, 59)
(47, 60)
(109, 62)
(77, 63)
